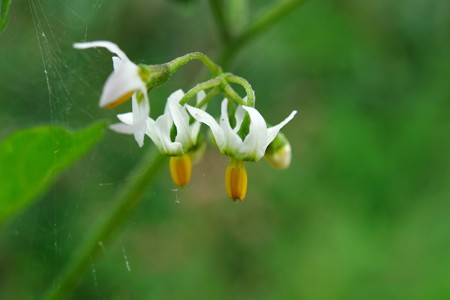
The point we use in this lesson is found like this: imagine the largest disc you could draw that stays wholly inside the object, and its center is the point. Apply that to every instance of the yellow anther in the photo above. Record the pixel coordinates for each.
(119, 100)
(236, 180)
(181, 169)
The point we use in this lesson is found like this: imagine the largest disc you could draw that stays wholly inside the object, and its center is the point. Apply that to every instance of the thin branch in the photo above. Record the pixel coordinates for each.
(267, 19)
(219, 17)
(140, 179)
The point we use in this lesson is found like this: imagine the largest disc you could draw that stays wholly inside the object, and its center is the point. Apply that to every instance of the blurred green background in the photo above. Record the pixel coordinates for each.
(362, 213)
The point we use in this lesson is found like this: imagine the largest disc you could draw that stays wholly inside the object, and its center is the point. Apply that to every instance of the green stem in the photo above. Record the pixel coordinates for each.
(273, 15)
(219, 81)
(219, 17)
(246, 85)
(178, 62)
(211, 94)
(4, 13)
(141, 178)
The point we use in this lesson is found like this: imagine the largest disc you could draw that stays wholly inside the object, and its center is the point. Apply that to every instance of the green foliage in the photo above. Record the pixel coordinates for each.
(32, 159)
(4, 13)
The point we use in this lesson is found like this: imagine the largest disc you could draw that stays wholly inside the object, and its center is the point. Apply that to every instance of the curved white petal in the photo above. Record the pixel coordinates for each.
(176, 96)
(204, 117)
(104, 44)
(200, 96)
(159, 132)
(126, 118)
(163, 125)
(273, 131)
(139, 135)
(123, 80)
(181, 120)
(117, 62)
(122, 128)
(232, 140)
(255, 142)
(239, 115)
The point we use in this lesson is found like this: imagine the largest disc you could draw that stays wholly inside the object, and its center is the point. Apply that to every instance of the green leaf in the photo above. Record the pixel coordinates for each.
(31, 160)
(4, 13)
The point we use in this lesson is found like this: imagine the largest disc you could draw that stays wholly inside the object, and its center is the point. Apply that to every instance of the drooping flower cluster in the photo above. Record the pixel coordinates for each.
(241, 134)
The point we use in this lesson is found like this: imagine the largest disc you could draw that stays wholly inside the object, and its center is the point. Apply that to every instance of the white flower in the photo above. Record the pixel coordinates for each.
(134, 122)
(186, 134)
(250, 148)
(125, 79)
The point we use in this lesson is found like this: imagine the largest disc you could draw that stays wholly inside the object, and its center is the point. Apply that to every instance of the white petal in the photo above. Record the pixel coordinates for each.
(122, 128)
(126, 118)
(159, 132)
(139, 136)
(239, 115)
(123, 80)
(176, 96)
(105, 44)
(232, 140)
(117, 62)
(200, 96)
(194, 130)
(181, 119)
(141, 110)
(273, 131)
(204, 117)
(255, 142)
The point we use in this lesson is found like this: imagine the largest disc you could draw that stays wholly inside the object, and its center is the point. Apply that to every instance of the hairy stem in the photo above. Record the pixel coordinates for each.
(178, 62)
(104, 234)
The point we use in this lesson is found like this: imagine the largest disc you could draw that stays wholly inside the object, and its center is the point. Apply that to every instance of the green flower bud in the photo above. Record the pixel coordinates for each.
(279, 152)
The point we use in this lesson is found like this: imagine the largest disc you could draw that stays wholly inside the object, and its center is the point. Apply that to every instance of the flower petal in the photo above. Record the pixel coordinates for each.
(273, 131)
(105, 44)
(204, 117)
(176, 96)
(117, 62)
(233, 141)
(119, 86)
(239, 115)
(126, 118)
(200, 96)
(159, 132)
(181, 120)
(122, 128)
(255, 142)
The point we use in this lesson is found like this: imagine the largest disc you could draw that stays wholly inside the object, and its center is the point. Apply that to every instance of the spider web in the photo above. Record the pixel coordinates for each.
(51, 228)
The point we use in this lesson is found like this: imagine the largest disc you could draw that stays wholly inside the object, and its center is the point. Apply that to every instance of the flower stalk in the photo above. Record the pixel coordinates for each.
(104, 234)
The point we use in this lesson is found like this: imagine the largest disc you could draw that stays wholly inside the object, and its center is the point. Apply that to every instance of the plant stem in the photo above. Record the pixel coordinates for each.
(178, 62)
(140, 179)
(211, 94)
(273, 15)
(219, 81)
(219, 17)
(246, 85)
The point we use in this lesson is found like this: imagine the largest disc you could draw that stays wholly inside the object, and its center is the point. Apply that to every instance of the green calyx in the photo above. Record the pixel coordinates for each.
(154, 75)
(278, 143)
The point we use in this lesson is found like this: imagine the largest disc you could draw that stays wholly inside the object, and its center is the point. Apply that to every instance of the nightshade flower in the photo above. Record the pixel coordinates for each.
(246, 141)
(175, 136)
(134, 122)
(250, 147)
(124, 81)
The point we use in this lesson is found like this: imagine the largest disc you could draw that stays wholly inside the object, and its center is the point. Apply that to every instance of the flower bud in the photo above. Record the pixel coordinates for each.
(279, 152)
